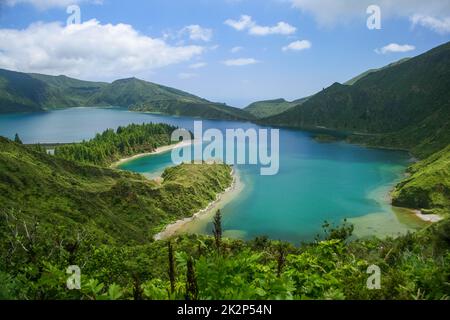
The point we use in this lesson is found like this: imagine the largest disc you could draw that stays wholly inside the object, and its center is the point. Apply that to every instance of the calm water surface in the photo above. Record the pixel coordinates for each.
(316, 181)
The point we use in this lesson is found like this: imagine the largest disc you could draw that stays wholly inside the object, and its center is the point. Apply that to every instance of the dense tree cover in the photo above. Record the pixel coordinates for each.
(111, 145)
(403, 106)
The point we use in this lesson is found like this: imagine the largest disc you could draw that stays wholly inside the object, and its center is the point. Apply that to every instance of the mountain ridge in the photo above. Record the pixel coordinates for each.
(32, 92)
(405, 106)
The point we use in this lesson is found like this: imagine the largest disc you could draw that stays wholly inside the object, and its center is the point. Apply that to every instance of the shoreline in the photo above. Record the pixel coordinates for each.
(158, 150)
(433, 218)
(176, 227)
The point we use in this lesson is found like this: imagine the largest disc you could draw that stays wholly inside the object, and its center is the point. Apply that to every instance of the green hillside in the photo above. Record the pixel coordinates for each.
(403, 106)
(267, 108)
(21, 92)
(428, 185)
(366, 73)
(112, 205)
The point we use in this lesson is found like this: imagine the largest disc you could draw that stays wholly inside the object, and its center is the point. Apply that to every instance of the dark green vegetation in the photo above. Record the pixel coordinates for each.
(34, 260)
(325, 138)
(111, 205)
(366, 73)
(264, 109)
(111, 146)
(404, 106)
(22, 92)
(428, 185)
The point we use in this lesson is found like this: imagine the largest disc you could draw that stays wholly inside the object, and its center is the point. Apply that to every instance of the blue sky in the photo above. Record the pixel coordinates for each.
(189, 44)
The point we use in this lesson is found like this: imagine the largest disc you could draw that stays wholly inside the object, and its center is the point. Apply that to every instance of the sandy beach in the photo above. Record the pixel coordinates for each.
(428, 217)
(205, 214)
(157, 151)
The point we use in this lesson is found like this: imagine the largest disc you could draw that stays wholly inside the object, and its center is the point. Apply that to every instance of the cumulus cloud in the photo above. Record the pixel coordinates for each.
(88, 50)
(246, 23)
(330, 12)
(298, 45)
(197, 33)
(198, 65)
(394, 48)
(441, 26)
(47, 4)
(239, 62)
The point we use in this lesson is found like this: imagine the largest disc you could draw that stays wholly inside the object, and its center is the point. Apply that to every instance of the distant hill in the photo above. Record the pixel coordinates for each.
(139, 95)
(22, 92)
(267, 108)
(405, 105)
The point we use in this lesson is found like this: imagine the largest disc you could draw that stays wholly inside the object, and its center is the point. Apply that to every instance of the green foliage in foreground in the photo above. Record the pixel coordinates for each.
(111, 145)
(111, 205)
(415, 266)
(428, 185)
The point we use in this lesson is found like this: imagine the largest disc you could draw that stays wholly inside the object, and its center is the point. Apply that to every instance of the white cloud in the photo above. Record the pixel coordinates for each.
(330, 12)
(236, 49)
(246, 23)
(240, 62)
(198, 65)
(298, 45)
(198, 33)
(438, 25)
(88, 50)
(47, 4)
(394, 48)
(186, 76)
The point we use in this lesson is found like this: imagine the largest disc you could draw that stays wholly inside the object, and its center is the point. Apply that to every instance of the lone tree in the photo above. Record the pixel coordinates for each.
(171, 268)
(217, 222)
(281, 257)
(191, 281)
(17, 139)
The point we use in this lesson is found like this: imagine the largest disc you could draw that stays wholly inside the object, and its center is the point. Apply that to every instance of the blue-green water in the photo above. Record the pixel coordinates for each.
(316, 181)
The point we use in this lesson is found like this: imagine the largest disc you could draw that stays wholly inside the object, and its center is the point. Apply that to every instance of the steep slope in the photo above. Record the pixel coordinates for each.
(428, 186)
(404, 106)
(267, 108)
(366, 73)
(111, 205)
(21, 92)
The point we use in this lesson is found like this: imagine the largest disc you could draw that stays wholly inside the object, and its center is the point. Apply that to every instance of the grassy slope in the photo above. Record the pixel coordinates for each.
(112, 205)
(21, 92)
(403, 106)
(428, 186)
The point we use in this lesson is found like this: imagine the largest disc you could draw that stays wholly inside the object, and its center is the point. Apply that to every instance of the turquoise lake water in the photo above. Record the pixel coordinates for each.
(316, 181)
